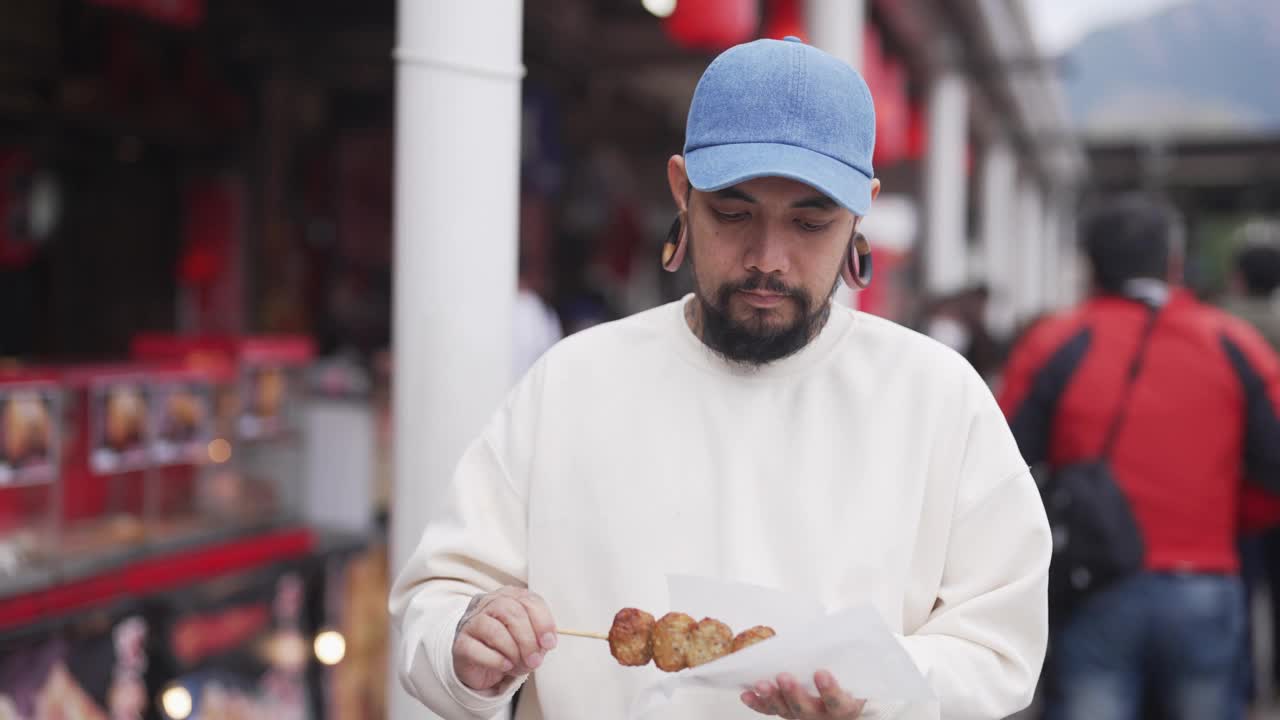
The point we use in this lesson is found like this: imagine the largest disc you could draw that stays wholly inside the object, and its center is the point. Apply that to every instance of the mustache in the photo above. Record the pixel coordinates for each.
(770, 283)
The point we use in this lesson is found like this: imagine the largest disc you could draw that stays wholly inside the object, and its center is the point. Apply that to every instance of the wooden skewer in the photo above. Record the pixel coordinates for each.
(582, 633)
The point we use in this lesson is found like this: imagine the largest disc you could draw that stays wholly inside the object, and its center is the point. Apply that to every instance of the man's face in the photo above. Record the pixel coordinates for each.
(766, 257)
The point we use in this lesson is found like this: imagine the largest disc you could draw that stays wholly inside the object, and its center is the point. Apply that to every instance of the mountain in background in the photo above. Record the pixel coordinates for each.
(1202, 67)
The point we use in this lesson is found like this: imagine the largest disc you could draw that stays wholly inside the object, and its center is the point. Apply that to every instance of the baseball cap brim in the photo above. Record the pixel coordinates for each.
(716, 167)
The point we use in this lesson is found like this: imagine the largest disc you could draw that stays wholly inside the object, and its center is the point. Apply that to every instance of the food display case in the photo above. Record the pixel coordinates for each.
(186, 456)
(107, 452)
(156, 556)
(258, 449)
(30, 455)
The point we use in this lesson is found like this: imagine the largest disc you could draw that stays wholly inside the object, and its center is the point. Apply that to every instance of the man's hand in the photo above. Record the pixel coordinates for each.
(505, 632)
(787, 699)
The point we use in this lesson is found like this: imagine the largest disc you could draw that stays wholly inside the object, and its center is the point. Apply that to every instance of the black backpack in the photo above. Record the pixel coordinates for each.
(1096, 539)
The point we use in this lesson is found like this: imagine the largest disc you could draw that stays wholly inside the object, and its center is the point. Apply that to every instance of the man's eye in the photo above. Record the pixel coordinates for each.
(812, 227)
(731, 217)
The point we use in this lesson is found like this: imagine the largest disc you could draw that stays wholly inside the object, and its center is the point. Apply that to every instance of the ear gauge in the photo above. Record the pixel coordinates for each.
(857, 270)
(673, 248)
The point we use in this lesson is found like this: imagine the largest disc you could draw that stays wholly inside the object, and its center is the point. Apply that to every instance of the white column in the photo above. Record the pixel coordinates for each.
(945, 185)
(1054, 270)
(1030, 237)
(1078, 277)
(458, 80)
(836, 26)
(998, 237)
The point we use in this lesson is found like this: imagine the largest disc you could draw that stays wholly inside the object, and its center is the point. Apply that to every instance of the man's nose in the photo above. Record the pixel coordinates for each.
(767, 253)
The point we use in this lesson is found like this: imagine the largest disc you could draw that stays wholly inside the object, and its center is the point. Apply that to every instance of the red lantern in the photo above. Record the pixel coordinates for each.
(713, 25)
(785, 18)
(892, 118)
(209, 232)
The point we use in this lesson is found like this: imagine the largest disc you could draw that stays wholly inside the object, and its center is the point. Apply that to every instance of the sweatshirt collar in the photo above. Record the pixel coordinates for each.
(839, 322)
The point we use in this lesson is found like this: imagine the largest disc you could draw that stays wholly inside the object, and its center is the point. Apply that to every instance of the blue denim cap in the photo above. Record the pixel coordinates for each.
(781, 108)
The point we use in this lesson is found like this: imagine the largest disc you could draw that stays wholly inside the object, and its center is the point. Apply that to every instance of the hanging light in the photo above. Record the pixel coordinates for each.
(330, 647)
(176, 702)
(219, 450)
(660, 8)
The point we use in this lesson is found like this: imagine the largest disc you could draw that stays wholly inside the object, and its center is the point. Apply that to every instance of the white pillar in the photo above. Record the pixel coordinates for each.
(1078, 276)
(999, 244)
(945, 184)
(835, 26)
(1054, 270)
(458, 79)
(1029, 238)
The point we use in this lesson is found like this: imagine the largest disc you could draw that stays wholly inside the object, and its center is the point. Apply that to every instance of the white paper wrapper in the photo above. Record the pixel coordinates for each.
(853, 644)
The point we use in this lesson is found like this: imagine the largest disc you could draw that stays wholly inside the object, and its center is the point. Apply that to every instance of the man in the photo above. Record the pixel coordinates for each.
(1200, 411)
(1254, 284)
(958, 320)
(750, 432)
(1253, 299)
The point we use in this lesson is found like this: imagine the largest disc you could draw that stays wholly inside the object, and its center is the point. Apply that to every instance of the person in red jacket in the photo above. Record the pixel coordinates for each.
(1201, 416)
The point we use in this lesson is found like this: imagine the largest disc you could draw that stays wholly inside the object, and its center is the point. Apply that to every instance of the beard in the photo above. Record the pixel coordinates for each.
(753, 342)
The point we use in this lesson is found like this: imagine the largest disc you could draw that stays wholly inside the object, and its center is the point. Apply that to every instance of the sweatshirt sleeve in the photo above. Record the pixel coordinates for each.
(982, 646)
(474, 543)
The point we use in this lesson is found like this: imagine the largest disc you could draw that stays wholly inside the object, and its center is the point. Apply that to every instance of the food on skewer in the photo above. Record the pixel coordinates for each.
(750, 637)
(630, 638)
(709, 640)
(675, 641)
(670, 641)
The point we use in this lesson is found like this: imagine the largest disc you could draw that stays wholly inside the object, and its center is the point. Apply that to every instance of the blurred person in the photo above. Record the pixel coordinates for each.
(1253, 288)
(1252, 298)
(535, 323)
(751, 431)
(537, 328)
(1175, 401)
(958, 320)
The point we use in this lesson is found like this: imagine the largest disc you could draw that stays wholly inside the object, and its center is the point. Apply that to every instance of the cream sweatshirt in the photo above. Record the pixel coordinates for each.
(873, 466)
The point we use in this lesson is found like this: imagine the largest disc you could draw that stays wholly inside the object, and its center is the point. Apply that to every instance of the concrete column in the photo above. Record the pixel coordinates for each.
(458, 77)
(836, 27)
(1078, 276)
(999, 244)
(946, 189)
(1029, 238)
(1054, 270)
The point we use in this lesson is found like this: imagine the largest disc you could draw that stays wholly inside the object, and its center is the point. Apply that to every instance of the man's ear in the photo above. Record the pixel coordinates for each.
(875, 188)
(678, 179)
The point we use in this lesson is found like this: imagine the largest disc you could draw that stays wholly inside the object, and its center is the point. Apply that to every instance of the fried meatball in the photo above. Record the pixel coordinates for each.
(709, 640)
(630, 638)
(671, 640)
(750, 637)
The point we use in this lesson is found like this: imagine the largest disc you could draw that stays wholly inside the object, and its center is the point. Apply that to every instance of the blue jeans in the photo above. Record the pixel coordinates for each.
(1172, 639)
